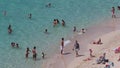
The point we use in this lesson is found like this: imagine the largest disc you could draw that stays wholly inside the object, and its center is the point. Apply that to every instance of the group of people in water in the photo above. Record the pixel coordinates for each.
(13, 44)
(34, 52)
(76, 46)
(56, 21)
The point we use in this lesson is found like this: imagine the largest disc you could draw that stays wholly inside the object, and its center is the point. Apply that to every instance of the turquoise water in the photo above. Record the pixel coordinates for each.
(30, 33)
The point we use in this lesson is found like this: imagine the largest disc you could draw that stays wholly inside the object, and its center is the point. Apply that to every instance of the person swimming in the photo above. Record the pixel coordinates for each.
(113, 12)
(12, 44)
(17, 45)
(74, 29)
(48, 5)
(63, 22)
(4, 13)
(46, 31)
(30, 16)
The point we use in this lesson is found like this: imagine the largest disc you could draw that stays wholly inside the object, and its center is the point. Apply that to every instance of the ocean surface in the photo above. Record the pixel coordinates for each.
(30, 33)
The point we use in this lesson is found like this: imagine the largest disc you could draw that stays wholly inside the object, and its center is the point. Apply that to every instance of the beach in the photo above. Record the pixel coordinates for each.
(29, 19)
(108, 32)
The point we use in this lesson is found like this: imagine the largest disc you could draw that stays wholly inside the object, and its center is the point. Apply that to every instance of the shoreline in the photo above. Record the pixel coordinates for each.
(93, 32)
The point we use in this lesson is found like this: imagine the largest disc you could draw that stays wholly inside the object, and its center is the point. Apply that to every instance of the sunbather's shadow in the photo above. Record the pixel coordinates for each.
(67, 53)
(80, 55)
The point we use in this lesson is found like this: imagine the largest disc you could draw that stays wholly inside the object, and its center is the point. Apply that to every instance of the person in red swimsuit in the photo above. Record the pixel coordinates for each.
(113, 12)
(27, 52)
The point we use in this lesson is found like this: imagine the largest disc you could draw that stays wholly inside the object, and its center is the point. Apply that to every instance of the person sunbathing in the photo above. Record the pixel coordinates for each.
(117, 50)
(98, 42)
(102, 59)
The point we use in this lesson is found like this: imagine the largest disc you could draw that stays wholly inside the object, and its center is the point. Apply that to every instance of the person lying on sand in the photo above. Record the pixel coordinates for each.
(98, 42)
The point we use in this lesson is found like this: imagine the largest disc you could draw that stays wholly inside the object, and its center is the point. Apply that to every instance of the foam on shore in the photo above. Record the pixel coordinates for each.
(66, 42)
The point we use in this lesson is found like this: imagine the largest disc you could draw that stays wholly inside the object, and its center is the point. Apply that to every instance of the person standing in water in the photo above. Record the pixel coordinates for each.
(74, 29)
(9, 29)
(43, 55)
(113, 12)
(27, 52)
(63, 22)
(34, 53)
(62, 45)
(48, 5)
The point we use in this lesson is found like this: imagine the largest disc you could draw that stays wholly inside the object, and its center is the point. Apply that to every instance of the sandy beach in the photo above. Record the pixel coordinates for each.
(108, 32)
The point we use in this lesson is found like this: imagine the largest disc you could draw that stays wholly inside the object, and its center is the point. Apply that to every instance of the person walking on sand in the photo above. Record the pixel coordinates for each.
(34, 53)
(76, 48)
(27, 52)
(62, 45)
(113, 12)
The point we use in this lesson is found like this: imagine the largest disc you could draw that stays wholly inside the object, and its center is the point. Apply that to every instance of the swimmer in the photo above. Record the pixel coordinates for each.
(63, 22)
(12, 44)
(83, 30)
(46, 31)
(55, 22)
(62, 45)
(30, 16)
(74, 30)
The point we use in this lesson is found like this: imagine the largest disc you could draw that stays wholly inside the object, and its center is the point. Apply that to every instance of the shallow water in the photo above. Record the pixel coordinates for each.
(30, 33)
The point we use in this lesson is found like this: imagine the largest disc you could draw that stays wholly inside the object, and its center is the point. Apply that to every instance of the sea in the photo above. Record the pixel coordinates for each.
(30, 32)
